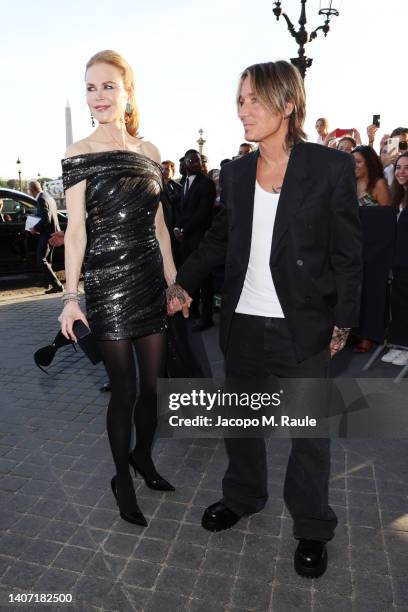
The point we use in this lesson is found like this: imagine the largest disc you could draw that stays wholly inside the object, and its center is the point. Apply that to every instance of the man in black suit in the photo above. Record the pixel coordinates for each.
(290, 238)
(47, 225)
(193, 220)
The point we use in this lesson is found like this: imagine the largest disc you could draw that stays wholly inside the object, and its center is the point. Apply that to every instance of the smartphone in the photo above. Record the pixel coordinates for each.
(376, 120)
(340, 132)
(402, 145)
(392, 146)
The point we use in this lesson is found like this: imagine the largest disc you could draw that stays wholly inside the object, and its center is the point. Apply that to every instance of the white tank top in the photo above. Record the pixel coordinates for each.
(258, 296)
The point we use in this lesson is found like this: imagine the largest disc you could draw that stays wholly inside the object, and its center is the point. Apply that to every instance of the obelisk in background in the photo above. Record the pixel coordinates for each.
(68, 125)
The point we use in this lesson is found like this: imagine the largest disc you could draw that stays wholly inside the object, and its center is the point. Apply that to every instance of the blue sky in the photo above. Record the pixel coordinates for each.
(187, 56)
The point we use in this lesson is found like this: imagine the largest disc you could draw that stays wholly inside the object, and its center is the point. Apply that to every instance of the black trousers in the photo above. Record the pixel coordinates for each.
(398, 329)
(44, 260)
(261, 346)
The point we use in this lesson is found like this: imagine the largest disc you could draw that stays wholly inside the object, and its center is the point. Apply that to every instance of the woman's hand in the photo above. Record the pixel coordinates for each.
(70, 313)
(356, 136)
(371, 132)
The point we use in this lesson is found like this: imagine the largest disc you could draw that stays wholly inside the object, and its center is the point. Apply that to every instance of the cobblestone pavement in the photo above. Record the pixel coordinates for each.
(60, 530)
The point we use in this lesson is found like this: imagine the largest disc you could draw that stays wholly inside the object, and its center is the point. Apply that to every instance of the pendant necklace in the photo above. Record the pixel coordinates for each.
(120, 145)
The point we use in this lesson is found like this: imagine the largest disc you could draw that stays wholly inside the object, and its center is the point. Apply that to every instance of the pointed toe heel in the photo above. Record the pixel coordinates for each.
(158, 483)
(135, 516)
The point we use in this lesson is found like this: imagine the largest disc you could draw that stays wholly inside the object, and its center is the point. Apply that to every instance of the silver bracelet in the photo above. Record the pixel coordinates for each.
(70, 297)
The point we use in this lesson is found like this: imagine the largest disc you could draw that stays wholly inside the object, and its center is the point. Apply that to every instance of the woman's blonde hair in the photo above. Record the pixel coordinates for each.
(275, 84)
(115, 59)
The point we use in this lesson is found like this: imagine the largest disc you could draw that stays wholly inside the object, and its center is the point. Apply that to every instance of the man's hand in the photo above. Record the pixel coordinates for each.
(177, 299)
(339, 339)
(56, 239)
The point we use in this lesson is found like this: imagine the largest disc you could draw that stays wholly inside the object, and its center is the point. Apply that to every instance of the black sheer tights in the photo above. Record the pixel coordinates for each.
(120, 364)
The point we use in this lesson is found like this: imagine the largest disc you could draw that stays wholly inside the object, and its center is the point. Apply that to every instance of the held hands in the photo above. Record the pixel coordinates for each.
(339, 339)
(177, 299)
(70, 313)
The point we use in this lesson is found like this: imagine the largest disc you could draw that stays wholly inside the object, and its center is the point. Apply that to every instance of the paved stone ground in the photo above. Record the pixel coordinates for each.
(60, 530)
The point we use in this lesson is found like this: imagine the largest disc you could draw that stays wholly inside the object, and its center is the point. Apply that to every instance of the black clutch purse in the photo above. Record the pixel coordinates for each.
(86, 341)
(44, 356)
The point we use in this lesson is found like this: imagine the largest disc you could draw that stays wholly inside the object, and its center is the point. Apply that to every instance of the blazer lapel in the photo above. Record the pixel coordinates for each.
(294, 190)
(243, 198)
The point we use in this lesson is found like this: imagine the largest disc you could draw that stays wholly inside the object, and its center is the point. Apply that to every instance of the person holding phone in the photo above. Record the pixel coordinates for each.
(114, 178)
(333, 138)
(390, 152)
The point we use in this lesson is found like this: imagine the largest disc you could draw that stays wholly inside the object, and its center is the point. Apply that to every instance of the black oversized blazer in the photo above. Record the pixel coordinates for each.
(315, 258)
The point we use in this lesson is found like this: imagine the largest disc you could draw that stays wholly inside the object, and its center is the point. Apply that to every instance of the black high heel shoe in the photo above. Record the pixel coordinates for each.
(157, 484)
(136, 516)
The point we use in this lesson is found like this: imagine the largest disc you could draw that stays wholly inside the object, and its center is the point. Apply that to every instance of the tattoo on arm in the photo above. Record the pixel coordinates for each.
(175, 292)
(340, 334)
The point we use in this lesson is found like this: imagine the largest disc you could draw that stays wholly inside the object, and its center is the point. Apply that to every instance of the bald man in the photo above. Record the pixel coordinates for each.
(47, 225)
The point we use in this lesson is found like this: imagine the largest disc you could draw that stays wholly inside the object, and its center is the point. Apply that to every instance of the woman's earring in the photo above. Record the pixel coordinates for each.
(92, 121)
(128, 108)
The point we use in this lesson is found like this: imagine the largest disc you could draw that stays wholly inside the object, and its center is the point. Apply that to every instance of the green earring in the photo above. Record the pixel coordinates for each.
(128, 109)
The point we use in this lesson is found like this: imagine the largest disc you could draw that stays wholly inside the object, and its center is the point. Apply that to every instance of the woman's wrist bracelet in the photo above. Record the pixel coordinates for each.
(70, 297)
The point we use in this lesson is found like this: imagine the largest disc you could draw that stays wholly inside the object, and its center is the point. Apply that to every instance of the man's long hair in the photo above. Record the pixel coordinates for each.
(275, 84)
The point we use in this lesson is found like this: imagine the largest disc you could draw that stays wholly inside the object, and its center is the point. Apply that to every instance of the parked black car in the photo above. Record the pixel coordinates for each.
(18, 247)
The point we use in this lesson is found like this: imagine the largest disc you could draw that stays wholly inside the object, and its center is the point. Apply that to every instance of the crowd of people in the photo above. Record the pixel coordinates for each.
(382, 182)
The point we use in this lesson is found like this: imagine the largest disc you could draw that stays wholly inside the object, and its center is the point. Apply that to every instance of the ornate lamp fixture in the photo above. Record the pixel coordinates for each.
(302, 37)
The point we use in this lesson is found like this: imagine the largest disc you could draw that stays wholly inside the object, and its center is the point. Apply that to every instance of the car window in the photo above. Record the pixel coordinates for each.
(14, 211)
(13, 206)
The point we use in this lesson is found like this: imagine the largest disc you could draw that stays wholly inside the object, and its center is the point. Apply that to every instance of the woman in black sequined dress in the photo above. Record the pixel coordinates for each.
(114, 179)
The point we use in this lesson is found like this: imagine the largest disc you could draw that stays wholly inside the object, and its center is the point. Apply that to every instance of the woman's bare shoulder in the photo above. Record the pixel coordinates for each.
(150, 150)
(78, 148)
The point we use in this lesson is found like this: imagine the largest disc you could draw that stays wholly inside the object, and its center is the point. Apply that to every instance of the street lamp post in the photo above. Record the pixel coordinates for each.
(201, 142)
(18, 162)
(301, 36)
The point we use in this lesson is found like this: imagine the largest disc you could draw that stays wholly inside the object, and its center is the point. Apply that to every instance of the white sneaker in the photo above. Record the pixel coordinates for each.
(390, 355)
(402, 359)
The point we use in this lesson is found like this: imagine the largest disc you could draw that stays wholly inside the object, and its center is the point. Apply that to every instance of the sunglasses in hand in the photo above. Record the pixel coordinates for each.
(44, 356)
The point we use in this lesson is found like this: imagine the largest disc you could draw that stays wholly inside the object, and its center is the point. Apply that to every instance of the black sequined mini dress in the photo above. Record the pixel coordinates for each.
(124, 278)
